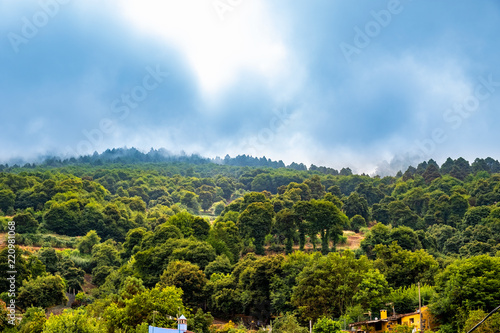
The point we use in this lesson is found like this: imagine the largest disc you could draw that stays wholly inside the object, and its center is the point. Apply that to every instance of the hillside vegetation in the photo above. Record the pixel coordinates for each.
(247, 240)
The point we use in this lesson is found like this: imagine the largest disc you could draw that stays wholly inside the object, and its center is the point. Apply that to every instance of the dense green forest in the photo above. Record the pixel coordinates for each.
(143, 237)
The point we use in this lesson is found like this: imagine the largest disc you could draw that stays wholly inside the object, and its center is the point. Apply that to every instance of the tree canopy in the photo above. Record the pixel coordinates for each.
(246, 239)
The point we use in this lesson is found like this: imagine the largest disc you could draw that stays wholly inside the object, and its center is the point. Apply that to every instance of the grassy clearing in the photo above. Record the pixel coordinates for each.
(353, 240)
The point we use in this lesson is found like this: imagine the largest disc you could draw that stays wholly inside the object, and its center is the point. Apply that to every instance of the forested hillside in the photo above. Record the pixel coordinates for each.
(248, 240)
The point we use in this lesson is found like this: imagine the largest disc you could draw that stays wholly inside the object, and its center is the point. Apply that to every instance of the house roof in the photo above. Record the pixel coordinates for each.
(182, 317)
(165, 330)
(390, 318)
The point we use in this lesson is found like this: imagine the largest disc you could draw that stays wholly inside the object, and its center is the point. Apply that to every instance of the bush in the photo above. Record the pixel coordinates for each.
(327, 325)
(82, 299)
(44, 291)
(73, 321)
(25, 223)
(342, 240)
(88, 241)
(83, 262)
(43, 240)
(201, 322)
(490, 325)
(219, 207)
(288, 324)
(357, 222)
(33, 321)
(228, 328)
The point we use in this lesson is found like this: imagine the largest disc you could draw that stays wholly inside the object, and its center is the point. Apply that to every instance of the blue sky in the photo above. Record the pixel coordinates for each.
(373, 85)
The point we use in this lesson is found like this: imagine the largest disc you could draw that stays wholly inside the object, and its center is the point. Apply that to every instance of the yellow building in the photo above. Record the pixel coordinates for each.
(387, 324)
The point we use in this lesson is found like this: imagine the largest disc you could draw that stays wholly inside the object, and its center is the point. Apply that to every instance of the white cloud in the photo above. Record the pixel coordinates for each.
(217, 50)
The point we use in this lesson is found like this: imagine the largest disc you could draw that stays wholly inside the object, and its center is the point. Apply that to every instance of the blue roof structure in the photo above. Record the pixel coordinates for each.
(153, 329)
